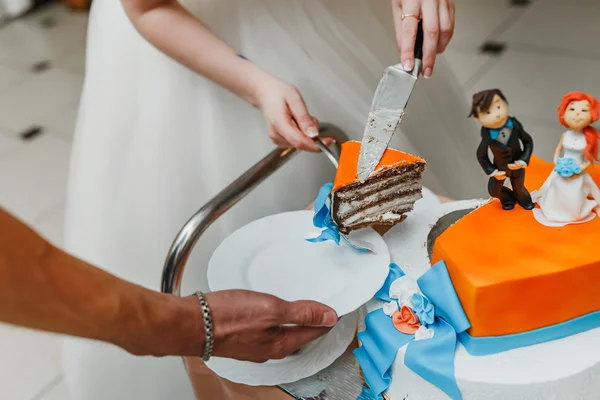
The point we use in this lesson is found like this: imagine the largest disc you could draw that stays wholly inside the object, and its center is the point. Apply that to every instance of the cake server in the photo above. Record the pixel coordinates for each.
(326, 151)
(387, 109)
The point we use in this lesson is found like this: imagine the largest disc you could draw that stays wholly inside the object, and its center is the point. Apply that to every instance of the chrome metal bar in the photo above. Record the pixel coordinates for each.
(211, 211)
(227, 198)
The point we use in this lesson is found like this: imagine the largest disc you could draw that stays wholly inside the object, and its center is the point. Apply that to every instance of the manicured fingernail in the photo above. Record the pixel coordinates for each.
(408, 65)
(312, 132)
(329, 319)
(427, 73)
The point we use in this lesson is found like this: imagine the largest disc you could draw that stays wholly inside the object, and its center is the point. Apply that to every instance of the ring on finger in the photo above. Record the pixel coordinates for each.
(402, 16)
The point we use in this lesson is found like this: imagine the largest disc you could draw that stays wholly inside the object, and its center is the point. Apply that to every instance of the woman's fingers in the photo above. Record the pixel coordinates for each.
(328, 141)
(295, 123)
(431, 35)
(408, 32)
(277, 139)
(397, 15)
(438, 28)
(307, 124)
(292, 135)
(446, 16)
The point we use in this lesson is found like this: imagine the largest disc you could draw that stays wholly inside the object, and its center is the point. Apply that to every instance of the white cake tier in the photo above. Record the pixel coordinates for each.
(565, 369)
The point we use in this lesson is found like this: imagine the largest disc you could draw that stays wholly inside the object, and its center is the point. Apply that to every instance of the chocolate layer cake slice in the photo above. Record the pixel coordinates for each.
(384, 198)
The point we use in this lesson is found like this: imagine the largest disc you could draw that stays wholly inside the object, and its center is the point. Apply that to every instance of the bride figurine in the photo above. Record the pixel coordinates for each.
(570, 195)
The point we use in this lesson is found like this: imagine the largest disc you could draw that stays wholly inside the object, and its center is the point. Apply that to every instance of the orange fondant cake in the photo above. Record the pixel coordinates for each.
(513, 274)
(384, 198)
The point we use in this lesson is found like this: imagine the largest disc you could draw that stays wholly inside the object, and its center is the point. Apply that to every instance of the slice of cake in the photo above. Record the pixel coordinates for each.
(384, 198)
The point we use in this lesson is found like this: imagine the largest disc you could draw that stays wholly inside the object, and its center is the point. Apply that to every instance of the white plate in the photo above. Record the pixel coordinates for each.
(311, 359)
(271, 256)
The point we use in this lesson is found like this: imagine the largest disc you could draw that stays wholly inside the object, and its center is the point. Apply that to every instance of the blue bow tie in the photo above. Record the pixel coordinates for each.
(494, 133)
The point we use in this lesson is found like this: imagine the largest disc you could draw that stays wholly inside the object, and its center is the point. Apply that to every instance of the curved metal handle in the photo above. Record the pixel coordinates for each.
(227, 198)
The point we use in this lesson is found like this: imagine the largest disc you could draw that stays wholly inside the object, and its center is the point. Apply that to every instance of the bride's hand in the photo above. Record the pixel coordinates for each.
(257, 327)
(438, 28)
(288, 120)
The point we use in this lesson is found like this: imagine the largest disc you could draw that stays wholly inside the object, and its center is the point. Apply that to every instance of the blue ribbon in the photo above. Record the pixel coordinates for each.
(432, 359)
(494, 133)
(384, 293)
(323, 219)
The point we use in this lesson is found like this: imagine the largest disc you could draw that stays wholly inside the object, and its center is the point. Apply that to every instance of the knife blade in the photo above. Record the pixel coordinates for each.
(387, 109)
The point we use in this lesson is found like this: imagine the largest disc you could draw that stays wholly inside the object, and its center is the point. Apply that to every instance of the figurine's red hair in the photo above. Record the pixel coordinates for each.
(591, 134)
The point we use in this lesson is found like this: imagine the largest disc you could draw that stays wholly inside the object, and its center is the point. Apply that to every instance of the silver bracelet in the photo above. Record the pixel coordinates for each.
(209, 338)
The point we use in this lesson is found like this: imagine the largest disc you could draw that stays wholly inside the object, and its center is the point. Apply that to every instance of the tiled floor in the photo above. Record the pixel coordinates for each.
(33, 173)
(549, 50)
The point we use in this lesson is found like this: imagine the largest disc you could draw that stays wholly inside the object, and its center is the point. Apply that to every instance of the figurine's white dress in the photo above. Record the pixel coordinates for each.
(565, 201)
(155, 141)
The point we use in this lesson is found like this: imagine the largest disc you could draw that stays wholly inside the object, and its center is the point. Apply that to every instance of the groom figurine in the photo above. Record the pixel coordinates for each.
(510, 145)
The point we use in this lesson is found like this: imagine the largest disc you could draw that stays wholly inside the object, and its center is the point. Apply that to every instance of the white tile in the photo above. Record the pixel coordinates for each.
(559, 25)
(61, 122)
(466, 65)
(62, 14)
(25, 42)
(30, 361)
(58, 392)
(33, 180)
(24, 105)
(11, 76)
(9, 144)
(535, 83)
(51, 226)
(73, 63)
(477, 21)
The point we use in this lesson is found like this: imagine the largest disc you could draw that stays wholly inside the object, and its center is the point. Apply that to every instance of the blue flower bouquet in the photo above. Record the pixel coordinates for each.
(566, 167)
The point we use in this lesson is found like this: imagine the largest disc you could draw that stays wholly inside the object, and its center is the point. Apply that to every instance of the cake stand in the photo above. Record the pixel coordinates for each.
(565, 369)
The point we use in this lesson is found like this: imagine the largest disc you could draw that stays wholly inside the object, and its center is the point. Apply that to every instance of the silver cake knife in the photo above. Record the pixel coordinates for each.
(387, 109)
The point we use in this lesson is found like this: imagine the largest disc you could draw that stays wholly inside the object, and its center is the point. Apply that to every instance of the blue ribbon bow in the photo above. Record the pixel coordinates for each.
(494, 133)
(432, 359)
(323, 219)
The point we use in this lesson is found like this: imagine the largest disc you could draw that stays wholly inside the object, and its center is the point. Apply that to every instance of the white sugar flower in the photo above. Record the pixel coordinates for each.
(402, 289)
(424, 333)
(390, 308)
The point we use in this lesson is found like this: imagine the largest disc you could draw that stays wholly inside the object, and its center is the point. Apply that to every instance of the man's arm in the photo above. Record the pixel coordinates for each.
(527, 142)
(42, 287)
(483, 158)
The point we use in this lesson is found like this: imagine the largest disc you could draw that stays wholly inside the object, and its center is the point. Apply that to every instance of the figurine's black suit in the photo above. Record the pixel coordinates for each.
(519, 147)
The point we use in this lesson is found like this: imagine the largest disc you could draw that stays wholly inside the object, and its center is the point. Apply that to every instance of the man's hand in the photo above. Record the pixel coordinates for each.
(79, 299)
(258, 327)
(248, 326)
(517, 165)
(500, 175)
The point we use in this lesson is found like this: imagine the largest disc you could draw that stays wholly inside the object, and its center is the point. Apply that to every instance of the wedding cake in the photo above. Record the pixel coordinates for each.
(485, 300)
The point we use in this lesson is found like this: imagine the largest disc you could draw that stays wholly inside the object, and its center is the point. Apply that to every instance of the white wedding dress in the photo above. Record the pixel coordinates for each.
(155, 141)
(564, 201)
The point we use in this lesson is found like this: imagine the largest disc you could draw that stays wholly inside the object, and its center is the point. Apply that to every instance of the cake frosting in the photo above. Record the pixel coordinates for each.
(495, 257)
(521, 286)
